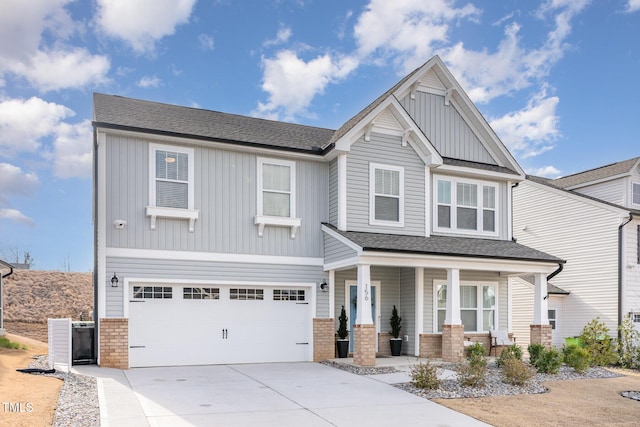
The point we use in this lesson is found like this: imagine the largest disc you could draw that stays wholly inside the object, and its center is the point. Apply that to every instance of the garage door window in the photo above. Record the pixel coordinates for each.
(288, 295)
(201, 293)
(246, 294)
(152, 292)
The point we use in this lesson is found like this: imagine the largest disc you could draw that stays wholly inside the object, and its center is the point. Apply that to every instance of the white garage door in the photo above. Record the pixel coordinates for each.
(199, 325)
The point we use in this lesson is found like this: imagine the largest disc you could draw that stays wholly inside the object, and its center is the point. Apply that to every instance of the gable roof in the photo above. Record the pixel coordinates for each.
(446, 246)
(597, 174)
(551, 184)
(117, 112)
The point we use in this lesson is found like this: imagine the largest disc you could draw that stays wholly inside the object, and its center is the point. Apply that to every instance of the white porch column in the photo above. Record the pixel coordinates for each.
(419, 297)
(541, 302)
(363, 308)
(452, 316)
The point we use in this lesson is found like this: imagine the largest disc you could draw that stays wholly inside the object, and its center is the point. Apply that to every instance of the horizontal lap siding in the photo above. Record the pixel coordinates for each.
(225, 195)
(610, 191)
(583, 233)
(445, 128)
(385, 150)
(334, 250)
(198, 270)
(407, 309)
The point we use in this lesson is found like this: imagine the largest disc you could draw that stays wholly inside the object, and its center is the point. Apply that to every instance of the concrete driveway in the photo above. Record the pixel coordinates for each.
(279, 394)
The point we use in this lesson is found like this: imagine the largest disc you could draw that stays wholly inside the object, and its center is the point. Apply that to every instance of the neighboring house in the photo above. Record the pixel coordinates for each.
(230, 239)
(592, 220)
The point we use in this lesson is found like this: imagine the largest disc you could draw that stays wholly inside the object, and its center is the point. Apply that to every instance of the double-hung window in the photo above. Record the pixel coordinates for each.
(477, 306)
(276, 194)
(171, 183)
(635, 193)
(466, 206)
(386, 195)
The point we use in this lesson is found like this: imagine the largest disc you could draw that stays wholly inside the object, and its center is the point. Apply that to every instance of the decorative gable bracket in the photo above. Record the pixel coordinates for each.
(447, 96)
(367, 131)
(405, 136)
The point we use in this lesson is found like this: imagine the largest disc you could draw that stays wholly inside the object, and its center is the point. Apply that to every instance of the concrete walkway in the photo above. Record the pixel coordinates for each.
(279, 394)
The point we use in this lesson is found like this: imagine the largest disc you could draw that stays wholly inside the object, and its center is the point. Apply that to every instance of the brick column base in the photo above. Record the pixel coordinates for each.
(540, 334)
(114, 343)
(324, 342)
(364, 345)
(452, 343)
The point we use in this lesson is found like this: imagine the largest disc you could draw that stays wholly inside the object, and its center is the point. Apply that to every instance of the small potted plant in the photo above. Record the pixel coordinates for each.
(342, 343)
(396, 326)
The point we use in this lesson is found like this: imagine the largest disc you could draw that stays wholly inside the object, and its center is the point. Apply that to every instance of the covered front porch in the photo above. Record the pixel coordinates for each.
(444, 299)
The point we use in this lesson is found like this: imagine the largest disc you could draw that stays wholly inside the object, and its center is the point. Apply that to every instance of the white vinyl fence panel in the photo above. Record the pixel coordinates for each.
(60, 344)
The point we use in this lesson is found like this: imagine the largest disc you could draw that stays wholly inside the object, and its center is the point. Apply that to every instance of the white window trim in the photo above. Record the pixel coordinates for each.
(554, 318)
(372, 195)
(454, 205)
(154, 211)
(632, 184)
(262, 220)
(479, 317)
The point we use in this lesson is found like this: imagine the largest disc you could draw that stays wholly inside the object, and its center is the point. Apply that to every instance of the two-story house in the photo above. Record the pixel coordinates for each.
(592, 220)
(230, 239)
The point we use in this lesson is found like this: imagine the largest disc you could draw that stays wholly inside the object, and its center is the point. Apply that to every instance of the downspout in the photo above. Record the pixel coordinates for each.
(620, 260)
(555, 273)
(96, 325)
(10, 269)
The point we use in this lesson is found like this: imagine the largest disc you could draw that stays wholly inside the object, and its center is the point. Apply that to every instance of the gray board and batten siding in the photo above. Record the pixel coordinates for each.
(184, 271)
(446, 128)
(222, 227)
(385, 150)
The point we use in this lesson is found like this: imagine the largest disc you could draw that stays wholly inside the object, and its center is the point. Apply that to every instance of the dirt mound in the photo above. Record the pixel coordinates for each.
(33, 296)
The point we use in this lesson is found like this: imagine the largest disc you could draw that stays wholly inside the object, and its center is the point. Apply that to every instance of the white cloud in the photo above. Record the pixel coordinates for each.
(28, 56)
(633, 6)
(292, 83)
(60, 69)
(283, 35)
(142, 23)
(149, 81)
(16, 216)
(407, 30)
(23, 123)
(486, 75)
(206, 42)
(72, 149)
(531, 131)
(14, 181)
(545, 171)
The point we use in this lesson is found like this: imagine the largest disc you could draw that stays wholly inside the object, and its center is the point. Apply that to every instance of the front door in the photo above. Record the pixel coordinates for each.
(353, 302)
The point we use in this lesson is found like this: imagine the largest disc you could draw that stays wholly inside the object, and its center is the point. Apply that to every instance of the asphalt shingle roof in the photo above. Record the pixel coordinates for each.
(596, 174)
(154, 117)
(446, 246)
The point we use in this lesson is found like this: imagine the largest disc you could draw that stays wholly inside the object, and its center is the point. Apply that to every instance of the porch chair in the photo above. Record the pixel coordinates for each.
(499, 338)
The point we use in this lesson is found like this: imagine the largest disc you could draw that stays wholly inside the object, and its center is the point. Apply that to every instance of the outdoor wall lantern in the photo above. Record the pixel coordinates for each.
(324, 286)
(114, 281)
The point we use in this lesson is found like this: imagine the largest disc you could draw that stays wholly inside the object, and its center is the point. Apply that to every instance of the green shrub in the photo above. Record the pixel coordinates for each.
(343, 333)
(516, 372)
(534, 353)
(5, 343)
(628, 350)
(476, 349)
(549, 361)
(424, 375)
(514, 351)
(596, 340)
(473, 371)
(395, 322)
(576, 357)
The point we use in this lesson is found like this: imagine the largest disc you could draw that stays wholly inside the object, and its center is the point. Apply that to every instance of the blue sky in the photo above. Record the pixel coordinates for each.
(557, 80)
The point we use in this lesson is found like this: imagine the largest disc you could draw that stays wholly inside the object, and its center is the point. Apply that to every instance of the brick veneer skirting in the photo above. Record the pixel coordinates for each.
(384, 345)
(114, 343)
(324, 346)
(364, 345)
